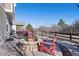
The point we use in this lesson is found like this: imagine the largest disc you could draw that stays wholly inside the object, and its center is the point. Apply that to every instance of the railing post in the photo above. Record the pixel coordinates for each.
(55, 34)
(54, 43)
(70, 36)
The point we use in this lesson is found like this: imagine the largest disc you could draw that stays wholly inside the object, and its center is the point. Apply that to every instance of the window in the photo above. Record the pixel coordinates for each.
(7, 27)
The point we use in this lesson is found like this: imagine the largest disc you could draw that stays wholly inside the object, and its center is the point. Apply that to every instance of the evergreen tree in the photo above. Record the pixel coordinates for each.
(29, 27)
(61, 23)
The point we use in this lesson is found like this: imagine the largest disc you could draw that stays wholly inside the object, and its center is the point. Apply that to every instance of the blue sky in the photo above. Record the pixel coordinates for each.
(46, 14)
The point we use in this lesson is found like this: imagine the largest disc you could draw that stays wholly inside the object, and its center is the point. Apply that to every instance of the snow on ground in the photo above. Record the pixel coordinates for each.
(73, 49)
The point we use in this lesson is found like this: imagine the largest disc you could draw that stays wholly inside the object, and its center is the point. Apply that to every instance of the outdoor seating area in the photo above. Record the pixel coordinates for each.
(27, 42)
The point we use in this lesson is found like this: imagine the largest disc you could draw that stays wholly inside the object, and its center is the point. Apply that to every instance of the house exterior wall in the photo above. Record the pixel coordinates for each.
(9, 7)
(10, 12)
(8, 29)
(18, 27)
(3, 18)
(6, 19)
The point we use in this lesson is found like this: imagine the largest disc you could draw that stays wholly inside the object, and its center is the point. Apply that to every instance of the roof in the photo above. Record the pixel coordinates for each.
(18, 23)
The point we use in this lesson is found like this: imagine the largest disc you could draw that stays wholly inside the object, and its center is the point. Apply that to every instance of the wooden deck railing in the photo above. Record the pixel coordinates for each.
(74, 37)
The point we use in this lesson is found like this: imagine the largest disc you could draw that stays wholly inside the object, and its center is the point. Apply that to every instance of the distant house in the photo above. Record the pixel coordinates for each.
(18, 25)
(7, 15)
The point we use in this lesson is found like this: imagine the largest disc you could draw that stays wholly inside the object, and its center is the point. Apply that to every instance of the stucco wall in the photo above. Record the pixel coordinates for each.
(3, 25)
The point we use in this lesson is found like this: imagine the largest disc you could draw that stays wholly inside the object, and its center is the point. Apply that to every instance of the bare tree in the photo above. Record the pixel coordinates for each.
(76, 26)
